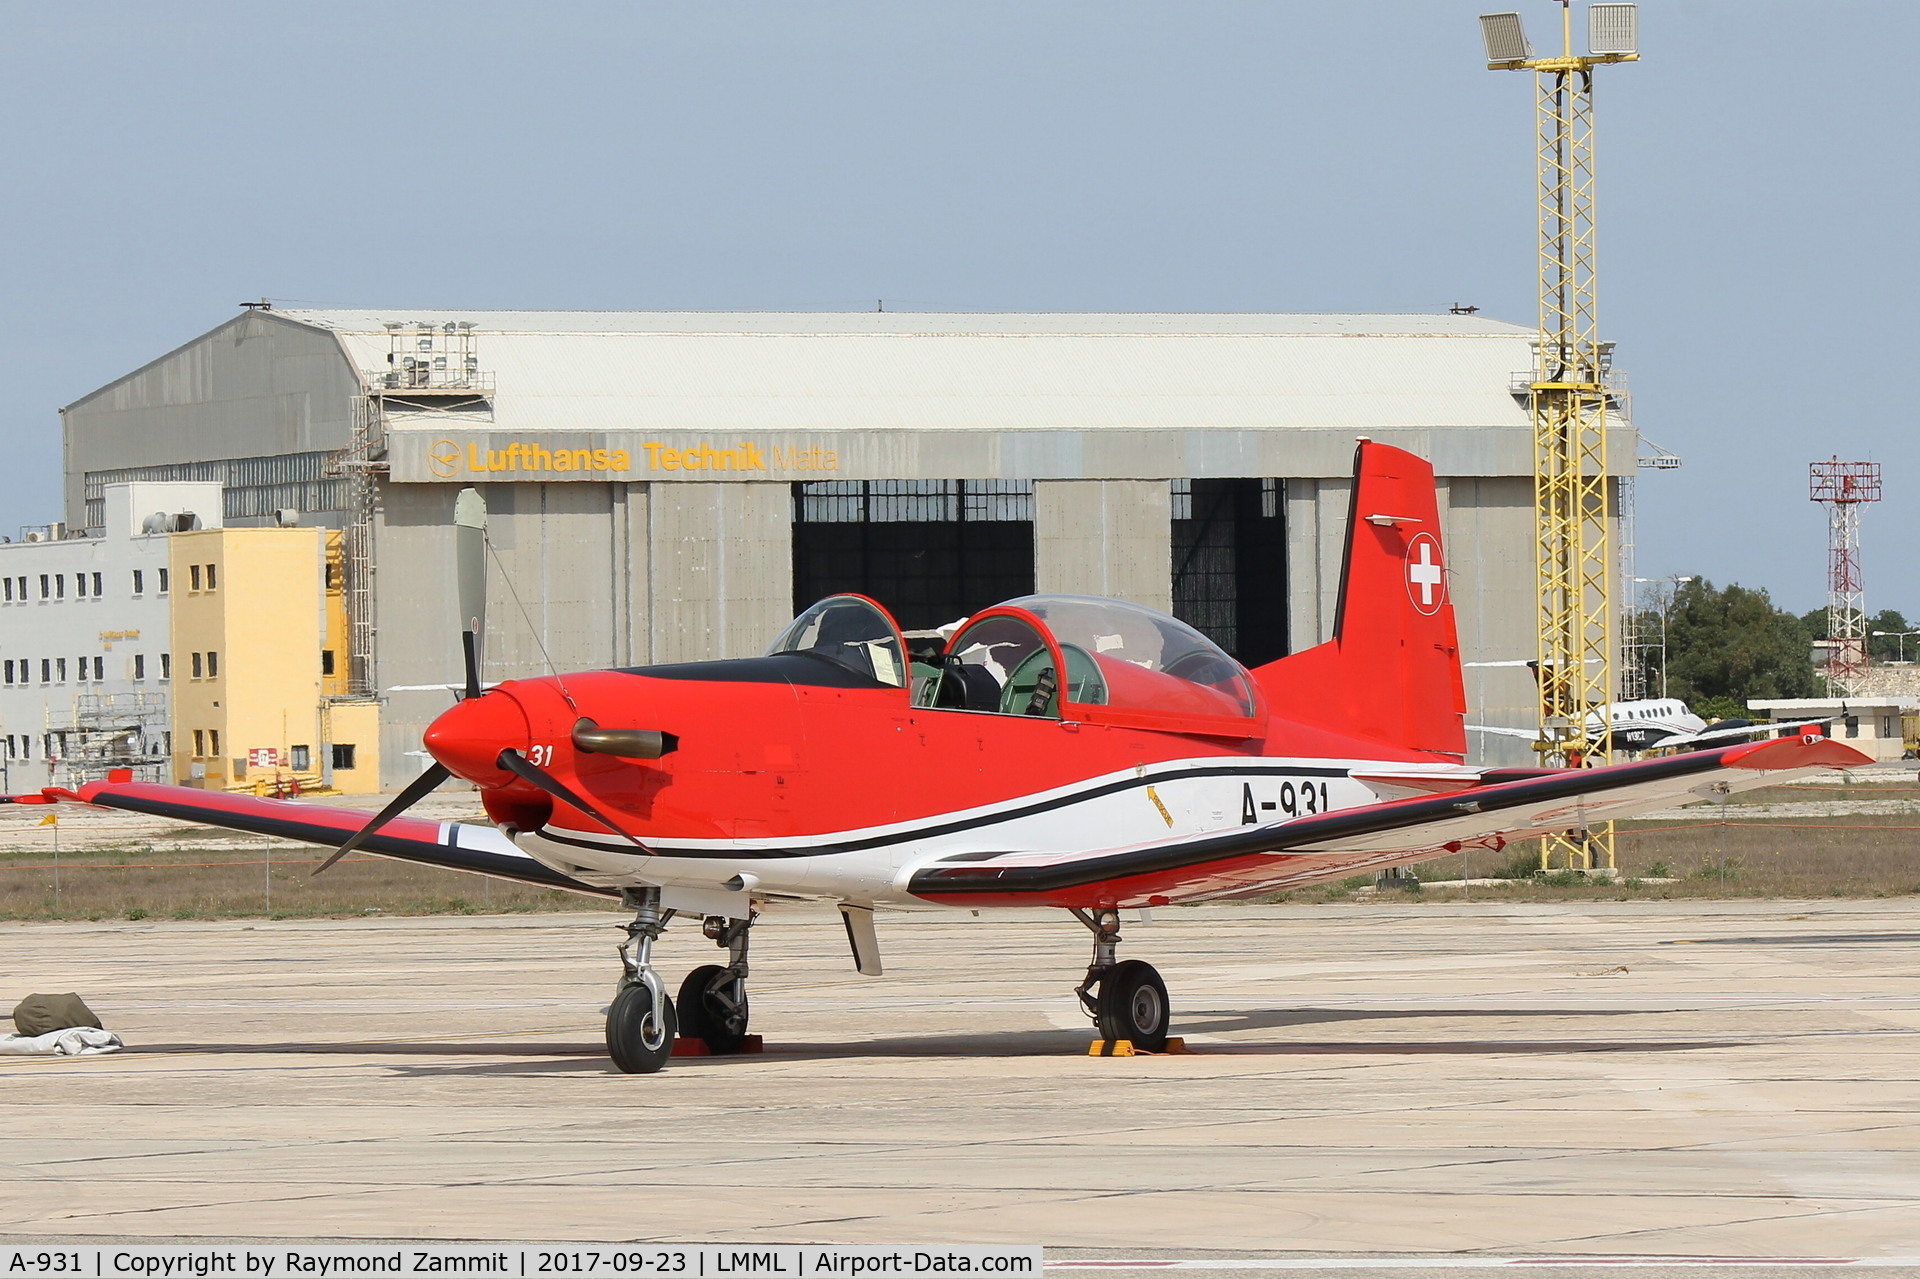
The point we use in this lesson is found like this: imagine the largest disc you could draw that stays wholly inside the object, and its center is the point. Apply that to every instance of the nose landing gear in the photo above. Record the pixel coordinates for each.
(641, 1024)
(1131, 1000)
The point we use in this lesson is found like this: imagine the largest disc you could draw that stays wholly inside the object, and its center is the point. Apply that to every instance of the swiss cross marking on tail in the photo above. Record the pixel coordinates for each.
(1426, 574)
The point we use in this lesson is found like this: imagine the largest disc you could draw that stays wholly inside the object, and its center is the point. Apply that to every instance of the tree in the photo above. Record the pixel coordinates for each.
(1881, 648)
(1888, 647)
(1733, 643)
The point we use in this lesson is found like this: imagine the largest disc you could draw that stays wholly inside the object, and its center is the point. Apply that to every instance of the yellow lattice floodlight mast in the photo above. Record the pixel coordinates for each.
(1573, 498)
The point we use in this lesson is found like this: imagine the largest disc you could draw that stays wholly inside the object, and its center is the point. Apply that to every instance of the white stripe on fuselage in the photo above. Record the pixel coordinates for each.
(1098, 814)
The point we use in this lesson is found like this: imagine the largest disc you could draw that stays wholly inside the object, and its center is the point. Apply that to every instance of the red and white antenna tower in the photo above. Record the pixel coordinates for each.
(1845, 487)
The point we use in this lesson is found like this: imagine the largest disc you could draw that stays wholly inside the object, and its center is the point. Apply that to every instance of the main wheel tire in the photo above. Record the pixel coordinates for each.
(1133, 1006)
(639, 1036)
(706, 1016)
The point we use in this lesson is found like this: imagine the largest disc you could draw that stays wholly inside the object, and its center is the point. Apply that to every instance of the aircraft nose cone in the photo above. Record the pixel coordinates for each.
(468, 738)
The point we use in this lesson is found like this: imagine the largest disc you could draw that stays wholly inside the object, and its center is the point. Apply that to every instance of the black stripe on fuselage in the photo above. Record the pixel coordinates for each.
(1251, 768)
(950, 878)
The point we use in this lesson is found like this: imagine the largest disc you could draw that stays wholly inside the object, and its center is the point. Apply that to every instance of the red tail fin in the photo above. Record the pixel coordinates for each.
(1391, 672)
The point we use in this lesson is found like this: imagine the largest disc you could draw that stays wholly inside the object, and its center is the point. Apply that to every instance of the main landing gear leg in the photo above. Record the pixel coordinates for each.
(1131, 1002)
(713, 998)
(640, 1024)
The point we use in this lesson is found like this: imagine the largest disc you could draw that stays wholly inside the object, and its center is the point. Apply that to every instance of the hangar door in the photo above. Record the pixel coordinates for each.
(1230, 564)
(932, 551)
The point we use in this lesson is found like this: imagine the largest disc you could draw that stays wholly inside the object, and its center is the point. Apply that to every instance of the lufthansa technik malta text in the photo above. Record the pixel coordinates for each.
(526, 1261)
(446, 458)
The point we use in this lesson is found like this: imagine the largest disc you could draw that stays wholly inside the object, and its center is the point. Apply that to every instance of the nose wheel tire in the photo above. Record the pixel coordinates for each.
(709, 1012)
(639, 1035)
(1133, 1006)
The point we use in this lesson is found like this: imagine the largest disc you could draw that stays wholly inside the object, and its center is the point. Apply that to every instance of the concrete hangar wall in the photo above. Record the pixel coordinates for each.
(671, 486)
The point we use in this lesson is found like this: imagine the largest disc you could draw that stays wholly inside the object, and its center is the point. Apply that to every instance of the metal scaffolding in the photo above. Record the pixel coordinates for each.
(431, 369)
(1568, 394)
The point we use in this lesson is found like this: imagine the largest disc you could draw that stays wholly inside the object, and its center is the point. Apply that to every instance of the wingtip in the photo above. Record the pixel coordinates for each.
(1809, 750)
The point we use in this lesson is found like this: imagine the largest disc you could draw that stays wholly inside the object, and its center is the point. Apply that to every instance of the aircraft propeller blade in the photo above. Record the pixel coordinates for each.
(470, 578)
(517, 764)
(416, 790)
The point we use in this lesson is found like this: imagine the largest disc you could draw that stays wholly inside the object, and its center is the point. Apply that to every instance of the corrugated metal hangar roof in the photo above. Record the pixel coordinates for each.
(591, 370)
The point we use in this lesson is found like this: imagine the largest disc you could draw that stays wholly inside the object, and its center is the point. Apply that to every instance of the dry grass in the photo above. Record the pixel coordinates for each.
(1842, 855)
(142, 883)
(1834, 857)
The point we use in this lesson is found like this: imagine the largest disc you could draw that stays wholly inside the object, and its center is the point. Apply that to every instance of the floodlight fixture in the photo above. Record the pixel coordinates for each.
(1505, 37)
(1613, 28)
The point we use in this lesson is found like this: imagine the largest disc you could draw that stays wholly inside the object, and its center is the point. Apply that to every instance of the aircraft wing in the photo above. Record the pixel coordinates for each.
(481, 850)
(1324, 846)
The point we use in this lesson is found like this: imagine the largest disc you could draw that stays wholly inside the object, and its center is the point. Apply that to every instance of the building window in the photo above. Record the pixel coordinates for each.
(9, 590)
(46, 586)
(59, 586)
(163, 580)
(139, 581)
(80, 585)
(213, 740)
(100, 667)
(96, 586)
(199, 742)
(1229, 564)
(299, 758)
(23, 588)
(166, 666)
(198, 668)
(931, 550)
(343, 755)
(213, 576)
(193, 577)
(46, 670)
(9, 672)
(60, 670)
(83, 668)
(168, 738)
(139, 665)
(213, 665)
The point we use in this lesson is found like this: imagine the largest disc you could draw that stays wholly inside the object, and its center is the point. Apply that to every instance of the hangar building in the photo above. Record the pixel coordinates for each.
(668, 486)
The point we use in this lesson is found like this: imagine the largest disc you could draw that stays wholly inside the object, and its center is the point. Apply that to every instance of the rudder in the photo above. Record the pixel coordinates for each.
(1391, 672)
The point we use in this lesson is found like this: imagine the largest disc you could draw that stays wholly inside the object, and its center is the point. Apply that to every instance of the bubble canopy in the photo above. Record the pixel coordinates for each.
(852, 631)
(1146, 660)
(1121, 662)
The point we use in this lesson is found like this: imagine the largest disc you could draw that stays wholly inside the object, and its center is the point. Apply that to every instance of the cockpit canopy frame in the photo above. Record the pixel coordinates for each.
(1124, 664)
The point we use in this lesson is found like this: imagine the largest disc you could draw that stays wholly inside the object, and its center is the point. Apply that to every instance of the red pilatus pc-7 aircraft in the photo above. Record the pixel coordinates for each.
(1059, 752)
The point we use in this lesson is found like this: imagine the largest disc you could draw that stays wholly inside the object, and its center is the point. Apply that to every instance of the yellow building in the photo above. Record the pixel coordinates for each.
(259, 639)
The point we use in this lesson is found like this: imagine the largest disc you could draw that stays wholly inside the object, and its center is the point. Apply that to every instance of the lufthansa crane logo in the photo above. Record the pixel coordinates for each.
(1426, 574)
(443, 458)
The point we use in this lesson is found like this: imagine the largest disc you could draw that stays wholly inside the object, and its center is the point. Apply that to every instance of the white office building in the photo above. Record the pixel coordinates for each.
(85, 667)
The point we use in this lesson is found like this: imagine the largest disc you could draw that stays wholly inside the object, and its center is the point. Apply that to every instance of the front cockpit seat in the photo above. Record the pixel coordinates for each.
(966, 687)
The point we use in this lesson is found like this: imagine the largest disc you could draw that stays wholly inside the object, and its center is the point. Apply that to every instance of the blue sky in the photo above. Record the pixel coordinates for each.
(1757, 193)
